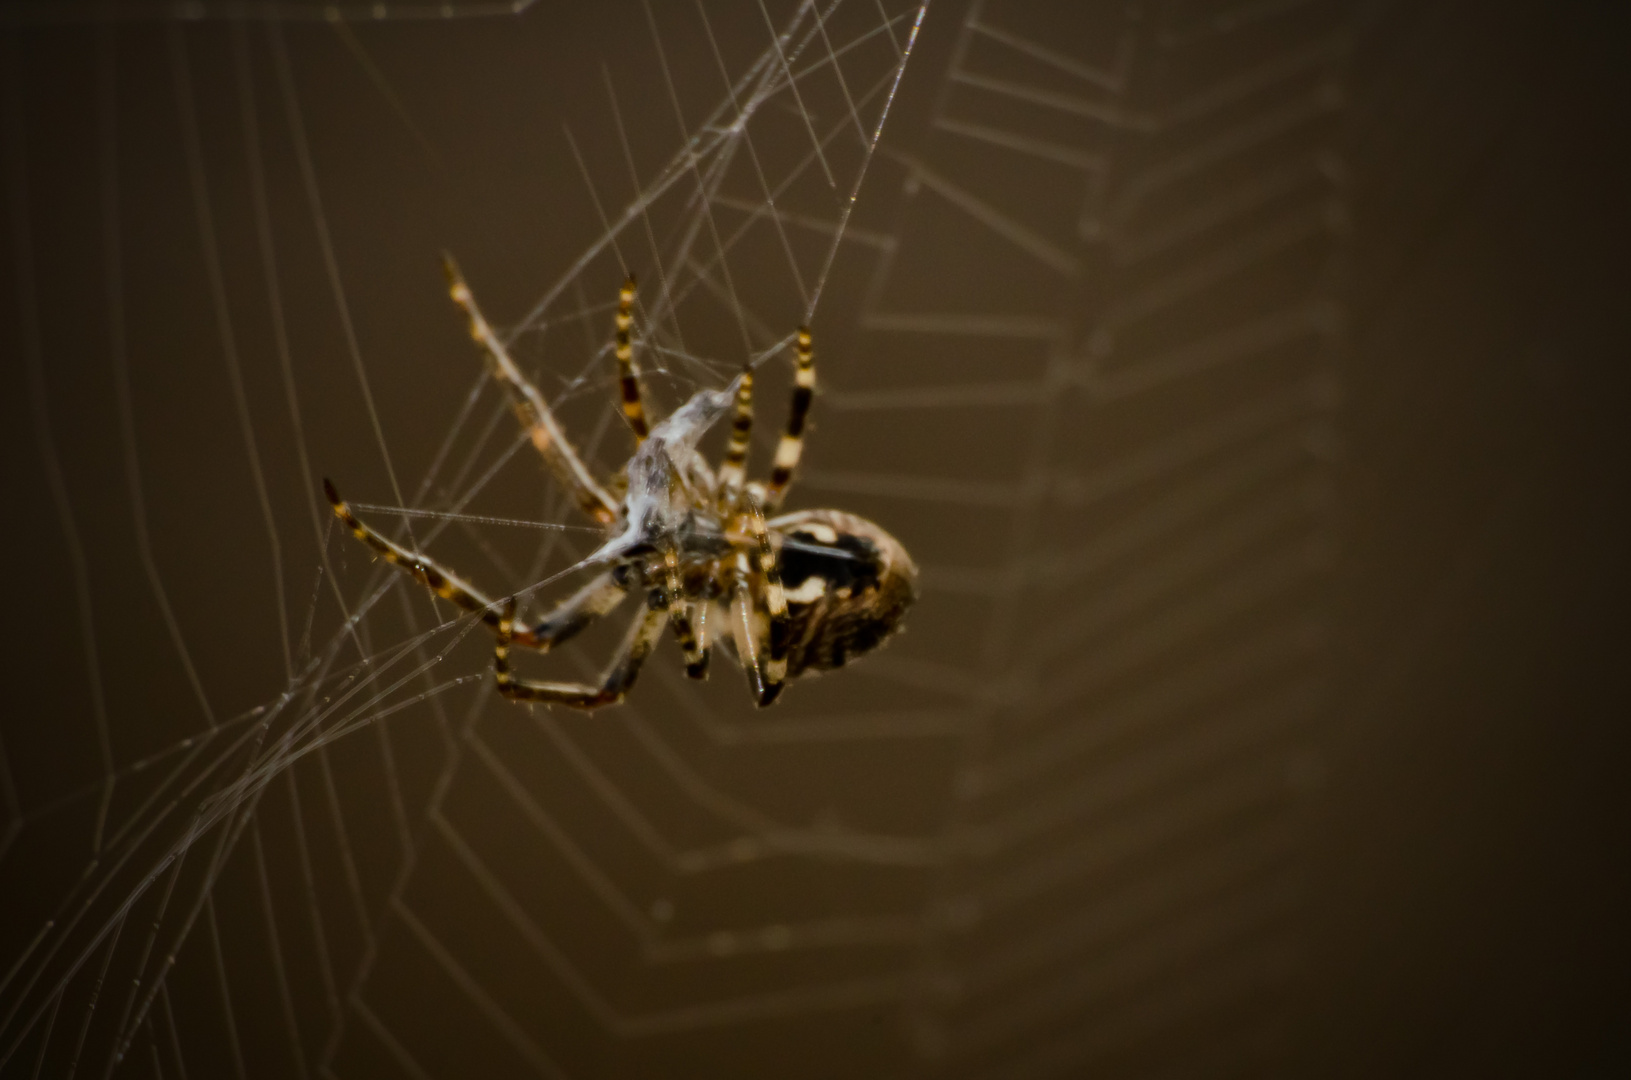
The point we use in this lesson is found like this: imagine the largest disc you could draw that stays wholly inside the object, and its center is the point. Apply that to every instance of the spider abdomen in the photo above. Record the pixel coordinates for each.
(848, 584)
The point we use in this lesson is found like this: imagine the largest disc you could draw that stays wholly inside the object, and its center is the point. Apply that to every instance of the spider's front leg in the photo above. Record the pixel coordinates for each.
(531, 408)
(614, 683)
(603, 593)
(427, 572)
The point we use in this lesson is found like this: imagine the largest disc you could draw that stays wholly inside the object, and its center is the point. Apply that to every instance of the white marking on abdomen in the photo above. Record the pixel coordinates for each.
(813, 589)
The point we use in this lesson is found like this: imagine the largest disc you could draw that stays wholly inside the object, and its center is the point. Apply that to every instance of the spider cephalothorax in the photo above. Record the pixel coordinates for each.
(806, 591)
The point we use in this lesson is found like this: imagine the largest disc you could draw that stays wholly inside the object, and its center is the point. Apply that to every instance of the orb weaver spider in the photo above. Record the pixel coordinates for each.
(795, 594)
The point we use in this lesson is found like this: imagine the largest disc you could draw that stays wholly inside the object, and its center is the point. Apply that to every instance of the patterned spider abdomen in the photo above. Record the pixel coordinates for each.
(848, 584)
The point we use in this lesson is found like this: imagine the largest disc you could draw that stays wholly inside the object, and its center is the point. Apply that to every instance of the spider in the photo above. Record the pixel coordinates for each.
(789, 595)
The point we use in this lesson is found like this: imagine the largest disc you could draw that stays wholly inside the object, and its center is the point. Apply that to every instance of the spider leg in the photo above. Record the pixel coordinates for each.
(734, 467)
(442, 582)
(614, 683)
(791, 447)
(698, 621)
(628, 376)
(599, 596)
(680, 613)
(531, 408)
(759, 617)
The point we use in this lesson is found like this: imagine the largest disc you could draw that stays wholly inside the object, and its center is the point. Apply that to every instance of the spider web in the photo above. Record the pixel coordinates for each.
(1076, 319)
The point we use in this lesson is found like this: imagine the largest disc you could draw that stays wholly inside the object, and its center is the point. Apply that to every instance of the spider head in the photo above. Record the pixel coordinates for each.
(848, 584)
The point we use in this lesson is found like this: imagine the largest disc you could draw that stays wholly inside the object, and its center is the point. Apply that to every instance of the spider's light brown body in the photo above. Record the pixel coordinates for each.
(803, 592)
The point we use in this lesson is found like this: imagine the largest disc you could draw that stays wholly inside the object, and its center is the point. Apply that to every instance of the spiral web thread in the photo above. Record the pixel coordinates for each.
(1160, 204)
(257, 826)
(1056, 825)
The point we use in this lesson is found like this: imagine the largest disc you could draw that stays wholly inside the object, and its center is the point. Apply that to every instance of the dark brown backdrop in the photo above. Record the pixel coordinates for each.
(1246, 377)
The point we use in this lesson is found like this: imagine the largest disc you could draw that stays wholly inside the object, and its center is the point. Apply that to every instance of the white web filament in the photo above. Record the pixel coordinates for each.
(970, 842)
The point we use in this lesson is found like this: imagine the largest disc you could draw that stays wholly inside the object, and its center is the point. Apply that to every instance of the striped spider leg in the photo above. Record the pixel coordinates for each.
(791, 447)
(598, 597)
(531, 408)
(834, 585)
(688, 619)
(758, 616)
(757, 606)
(791, 594)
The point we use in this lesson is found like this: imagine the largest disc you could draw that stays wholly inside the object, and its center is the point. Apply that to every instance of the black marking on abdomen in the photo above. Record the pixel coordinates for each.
(849, 562)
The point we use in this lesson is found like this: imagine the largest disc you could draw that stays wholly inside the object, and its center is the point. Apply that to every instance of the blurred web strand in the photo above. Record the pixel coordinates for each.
(45, 438)
(220, 776)
(718, 138)
(47, 12)
(309, 734)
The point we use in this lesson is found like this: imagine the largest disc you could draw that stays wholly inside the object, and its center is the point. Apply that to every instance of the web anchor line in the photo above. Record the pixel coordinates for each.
(149, 913)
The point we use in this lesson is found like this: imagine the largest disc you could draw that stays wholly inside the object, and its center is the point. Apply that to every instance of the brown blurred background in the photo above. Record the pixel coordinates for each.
(1246, 377)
